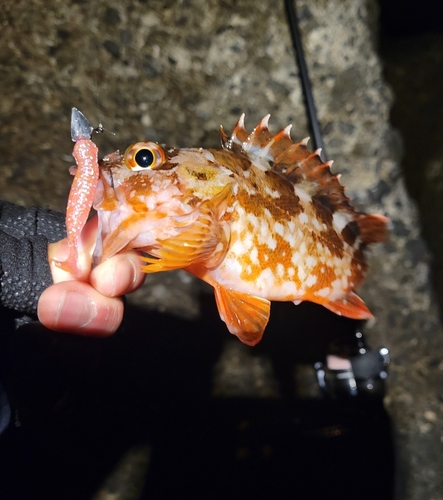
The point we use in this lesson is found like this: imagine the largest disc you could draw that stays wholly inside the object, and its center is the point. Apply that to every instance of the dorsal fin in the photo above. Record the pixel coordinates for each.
(305, 170)
(260, 143)
(291, 160)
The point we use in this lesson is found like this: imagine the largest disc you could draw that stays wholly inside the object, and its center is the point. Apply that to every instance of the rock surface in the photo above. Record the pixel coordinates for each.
(417, 113)
(172, 71)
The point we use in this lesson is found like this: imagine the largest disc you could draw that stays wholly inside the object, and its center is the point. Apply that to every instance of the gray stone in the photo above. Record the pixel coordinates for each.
(240, 374)
(174, 293)
(417, 113)
(173, 75)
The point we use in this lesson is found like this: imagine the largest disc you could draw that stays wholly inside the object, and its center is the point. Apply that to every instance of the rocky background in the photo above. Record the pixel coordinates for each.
(173, 71)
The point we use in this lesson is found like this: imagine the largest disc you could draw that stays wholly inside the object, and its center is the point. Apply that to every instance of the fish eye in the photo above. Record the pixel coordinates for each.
(144, 158)
(143, 155)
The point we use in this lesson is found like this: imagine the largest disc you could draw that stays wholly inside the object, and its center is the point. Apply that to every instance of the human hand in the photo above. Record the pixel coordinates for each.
(88, 304)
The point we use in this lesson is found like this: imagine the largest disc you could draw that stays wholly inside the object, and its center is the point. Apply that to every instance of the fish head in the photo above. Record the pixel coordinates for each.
(150, 192)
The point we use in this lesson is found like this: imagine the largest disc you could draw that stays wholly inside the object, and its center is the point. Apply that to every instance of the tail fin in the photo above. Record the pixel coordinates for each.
(373, 228)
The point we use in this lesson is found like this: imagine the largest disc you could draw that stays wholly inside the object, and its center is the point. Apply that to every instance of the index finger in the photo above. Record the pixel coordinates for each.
(118, 275)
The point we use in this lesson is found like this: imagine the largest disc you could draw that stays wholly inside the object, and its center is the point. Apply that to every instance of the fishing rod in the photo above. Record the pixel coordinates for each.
(363, 370)
(317, 138)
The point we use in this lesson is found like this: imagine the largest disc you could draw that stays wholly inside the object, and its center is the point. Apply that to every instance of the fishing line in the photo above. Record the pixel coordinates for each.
(88, 62)
(300, 61)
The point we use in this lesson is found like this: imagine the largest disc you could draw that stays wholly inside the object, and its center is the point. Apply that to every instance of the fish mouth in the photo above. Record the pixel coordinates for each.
(106, 175)
(107, 164)
(111, 178)
(105, 190)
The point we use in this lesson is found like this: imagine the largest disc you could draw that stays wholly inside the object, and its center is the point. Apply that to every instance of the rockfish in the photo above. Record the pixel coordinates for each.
(261, 218)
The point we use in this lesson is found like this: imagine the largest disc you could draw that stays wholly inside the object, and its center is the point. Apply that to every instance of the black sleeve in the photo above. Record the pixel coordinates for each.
(24, 268)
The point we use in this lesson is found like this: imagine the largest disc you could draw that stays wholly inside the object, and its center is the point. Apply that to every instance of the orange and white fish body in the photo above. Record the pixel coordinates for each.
(259, 219)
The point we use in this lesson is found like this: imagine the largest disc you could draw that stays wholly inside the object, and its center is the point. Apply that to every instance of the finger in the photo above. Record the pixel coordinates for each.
(88, 238)
(76, 307)
(118, 275)
(60, 251)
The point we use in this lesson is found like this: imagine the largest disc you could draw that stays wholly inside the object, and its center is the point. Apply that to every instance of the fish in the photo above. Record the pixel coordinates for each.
(260, 219)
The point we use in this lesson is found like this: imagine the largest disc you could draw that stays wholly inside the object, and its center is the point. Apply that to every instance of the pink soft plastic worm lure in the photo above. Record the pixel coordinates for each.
(81, 195)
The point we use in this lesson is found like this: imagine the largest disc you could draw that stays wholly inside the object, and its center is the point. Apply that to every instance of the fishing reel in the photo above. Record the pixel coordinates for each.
(353, 369)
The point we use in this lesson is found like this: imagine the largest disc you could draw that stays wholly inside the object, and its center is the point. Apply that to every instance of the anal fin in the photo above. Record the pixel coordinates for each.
(245, 315)
(350, 306)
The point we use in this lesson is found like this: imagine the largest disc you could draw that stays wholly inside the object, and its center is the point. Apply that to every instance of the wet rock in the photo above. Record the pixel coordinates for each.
(175, 79)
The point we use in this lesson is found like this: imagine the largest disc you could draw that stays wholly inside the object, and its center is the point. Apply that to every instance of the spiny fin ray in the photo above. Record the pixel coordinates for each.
(304, 168)
(291, 160)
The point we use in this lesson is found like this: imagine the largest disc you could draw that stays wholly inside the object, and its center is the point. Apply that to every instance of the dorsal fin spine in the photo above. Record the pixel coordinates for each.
(223, 137)
(296, 163)
(264, 124)
(284, 134)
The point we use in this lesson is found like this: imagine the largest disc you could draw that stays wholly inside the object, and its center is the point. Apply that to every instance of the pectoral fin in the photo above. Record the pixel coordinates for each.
(245, 315)
(205, 241)
(351, 306)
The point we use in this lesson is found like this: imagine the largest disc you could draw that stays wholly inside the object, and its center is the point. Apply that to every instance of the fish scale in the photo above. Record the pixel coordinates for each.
(261, 218)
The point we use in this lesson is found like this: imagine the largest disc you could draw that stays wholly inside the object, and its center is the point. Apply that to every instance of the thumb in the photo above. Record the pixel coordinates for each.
(59, 251)
(76, 307)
